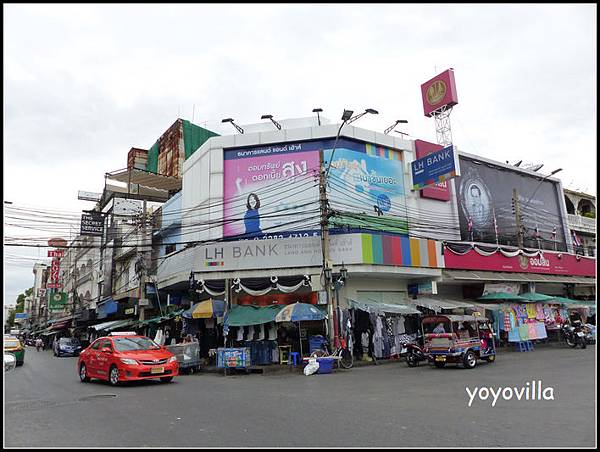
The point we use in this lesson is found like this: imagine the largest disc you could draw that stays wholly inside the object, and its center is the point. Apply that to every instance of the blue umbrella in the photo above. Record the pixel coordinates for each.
(299, 312)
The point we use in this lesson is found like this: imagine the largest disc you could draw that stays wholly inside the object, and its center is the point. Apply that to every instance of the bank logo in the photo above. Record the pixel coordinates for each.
(436, 92)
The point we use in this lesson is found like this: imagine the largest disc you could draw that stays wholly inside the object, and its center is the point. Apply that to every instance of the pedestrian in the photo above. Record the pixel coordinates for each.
(39, 344)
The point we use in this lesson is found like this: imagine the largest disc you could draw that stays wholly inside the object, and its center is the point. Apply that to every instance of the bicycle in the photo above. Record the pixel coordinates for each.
(341, 354)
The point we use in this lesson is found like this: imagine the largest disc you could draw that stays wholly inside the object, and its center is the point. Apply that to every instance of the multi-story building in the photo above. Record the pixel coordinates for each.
(581, 214)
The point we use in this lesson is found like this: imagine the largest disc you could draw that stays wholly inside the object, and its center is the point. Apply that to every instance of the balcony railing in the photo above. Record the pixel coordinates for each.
(582, 223)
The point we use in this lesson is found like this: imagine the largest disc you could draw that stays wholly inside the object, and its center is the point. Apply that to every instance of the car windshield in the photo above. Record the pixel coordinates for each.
(125, 344)
(68, 341)
(10, 343)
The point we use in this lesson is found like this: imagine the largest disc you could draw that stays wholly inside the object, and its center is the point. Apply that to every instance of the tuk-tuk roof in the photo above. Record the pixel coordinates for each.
(454, 318)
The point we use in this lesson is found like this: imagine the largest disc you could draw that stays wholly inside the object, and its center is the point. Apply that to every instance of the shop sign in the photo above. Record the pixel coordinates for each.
(435, 167)
(57, 243)
(54, 285)
(512, 288)
(56, 253)
(129, 310)
(441, 190)
(92, 224)
(550, 263)
(57, 302)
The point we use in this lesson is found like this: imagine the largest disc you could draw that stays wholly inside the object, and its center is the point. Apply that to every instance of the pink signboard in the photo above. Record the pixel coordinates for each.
(270, 189)
(439, 191)
(550, 263)
(438, 92)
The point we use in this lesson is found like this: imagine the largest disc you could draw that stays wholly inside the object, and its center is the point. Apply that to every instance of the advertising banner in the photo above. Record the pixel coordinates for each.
(550, 263)
(435, 167)
(56, 253)
(438, 92)
(441, 190)
(21, 315)
(484, 196)
(57, 301)
(367, 179)
(512, 288)
(271, 189)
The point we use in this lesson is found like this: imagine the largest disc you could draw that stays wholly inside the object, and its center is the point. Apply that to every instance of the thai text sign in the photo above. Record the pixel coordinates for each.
(435, 167)
(57, 302)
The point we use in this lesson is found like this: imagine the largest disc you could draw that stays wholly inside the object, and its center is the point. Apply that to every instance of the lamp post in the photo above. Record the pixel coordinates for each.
(272, 120)
(317, 111)
(331, 302)
(238, 128)
(398, 121)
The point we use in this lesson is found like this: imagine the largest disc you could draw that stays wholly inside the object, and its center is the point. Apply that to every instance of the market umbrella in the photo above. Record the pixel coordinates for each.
(206, 310)
(299, 312)
(564, 300)
(501, 296)
(532, 296)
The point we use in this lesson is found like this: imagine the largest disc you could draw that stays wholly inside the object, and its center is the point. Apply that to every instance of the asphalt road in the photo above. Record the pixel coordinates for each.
(388, 405)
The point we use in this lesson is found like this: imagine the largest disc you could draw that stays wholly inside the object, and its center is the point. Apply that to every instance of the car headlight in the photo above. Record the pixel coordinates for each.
(172, 359)
(128, 361)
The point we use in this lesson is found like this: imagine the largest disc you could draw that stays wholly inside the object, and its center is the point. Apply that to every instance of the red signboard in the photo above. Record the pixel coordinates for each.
(57, 242)
(56, 253)
(55, 270)
(54, 286)
(550, 263)
(279, 299)
(439, 191)
(438, 92)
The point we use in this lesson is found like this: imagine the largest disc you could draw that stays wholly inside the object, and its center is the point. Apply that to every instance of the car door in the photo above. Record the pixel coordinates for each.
(91, 357)
(104, 359)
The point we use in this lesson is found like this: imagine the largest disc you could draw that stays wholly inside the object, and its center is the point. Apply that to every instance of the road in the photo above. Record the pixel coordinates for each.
(388, 405)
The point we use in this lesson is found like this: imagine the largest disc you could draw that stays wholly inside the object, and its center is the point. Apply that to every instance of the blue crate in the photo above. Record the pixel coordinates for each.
(325, 365)
(316, 343)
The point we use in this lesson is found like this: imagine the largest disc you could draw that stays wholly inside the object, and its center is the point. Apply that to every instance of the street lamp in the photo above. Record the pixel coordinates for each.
(398, 121)
(317, 111)
(347, 118)
(238, 128)
(540, 183)
(272, 120)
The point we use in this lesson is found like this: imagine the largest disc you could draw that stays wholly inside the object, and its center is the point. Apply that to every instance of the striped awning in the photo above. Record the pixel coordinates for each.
(151, 180)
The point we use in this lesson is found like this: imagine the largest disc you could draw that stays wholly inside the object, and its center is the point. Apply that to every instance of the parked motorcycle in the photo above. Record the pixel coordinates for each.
(574, 334)
(413, 354)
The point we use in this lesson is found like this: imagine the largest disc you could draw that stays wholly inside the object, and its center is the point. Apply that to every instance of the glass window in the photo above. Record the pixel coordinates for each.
(123, 344)
(96, 345)
(106, 344)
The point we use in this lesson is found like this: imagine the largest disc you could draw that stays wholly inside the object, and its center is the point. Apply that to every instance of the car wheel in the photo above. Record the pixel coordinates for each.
(470, 360)
(166, 379)
(113, 376)
(83, 376)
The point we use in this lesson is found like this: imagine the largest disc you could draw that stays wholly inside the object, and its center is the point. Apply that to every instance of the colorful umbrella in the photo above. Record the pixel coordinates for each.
(206, 310)
(299, 312)
(532, 296)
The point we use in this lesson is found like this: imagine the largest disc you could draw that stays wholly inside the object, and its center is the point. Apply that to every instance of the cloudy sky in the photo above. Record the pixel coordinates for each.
(83, 84)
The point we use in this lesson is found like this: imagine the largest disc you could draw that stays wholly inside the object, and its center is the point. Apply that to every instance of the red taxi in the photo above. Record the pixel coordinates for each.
(122, 357)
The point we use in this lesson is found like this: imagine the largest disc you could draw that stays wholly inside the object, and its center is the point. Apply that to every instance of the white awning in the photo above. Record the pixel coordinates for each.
(436, 304)
(146, 179)
(375, 307)
(485, 276)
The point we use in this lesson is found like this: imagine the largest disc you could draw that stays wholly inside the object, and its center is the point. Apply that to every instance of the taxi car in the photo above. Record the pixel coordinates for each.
(122, 357)
(13, 345)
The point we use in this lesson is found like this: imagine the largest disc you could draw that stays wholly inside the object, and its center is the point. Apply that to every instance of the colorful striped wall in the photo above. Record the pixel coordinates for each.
(401, 251)
(380, 151)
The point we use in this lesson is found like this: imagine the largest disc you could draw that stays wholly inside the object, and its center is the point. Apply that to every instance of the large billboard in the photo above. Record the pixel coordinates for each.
(271, 189)
(484, 196)
(367, 179)
(439, 191)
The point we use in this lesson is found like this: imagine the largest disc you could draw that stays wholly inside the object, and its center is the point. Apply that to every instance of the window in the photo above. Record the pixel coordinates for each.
(96, 345)
(170, 249)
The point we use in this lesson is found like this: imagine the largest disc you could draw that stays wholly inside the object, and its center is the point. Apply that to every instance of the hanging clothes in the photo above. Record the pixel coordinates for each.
(513, 334)
(531, 311)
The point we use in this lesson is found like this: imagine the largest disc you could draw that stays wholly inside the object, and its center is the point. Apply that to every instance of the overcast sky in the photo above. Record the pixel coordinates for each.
(85, 83)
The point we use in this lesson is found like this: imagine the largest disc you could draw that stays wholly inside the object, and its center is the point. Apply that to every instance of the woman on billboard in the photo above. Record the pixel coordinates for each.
(252, 217)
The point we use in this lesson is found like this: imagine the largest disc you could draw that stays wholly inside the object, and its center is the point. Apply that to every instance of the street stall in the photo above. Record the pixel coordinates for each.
(376, 330)
(296, 313)
(203, 320)
(252, 328)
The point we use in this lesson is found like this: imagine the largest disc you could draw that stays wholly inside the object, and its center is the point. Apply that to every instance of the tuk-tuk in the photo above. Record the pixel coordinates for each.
(458, 339)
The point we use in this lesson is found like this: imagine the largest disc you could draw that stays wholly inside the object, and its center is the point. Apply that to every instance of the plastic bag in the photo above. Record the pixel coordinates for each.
(311, 367)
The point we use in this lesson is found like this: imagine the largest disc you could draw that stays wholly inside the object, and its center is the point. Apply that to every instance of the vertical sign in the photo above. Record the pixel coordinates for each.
(439, 191)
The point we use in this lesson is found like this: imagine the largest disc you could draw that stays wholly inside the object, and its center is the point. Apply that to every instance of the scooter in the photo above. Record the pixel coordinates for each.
(574, 335)
(413, 354)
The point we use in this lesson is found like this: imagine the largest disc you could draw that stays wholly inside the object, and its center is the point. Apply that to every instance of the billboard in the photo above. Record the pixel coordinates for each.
(441, 190)
(369, 180)
(438, 92)
(271, 189)
(435, 167)
(57, 301)
(484, 197)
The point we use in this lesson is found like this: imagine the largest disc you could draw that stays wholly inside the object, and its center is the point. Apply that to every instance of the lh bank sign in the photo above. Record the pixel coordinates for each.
(439, 166)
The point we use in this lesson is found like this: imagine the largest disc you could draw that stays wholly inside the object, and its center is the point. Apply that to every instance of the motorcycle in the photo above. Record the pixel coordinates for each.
(413, 354)
(574, 334)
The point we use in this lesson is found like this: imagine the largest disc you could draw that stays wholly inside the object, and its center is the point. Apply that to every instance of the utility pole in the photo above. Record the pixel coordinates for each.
(518, 218)
(142, 264)
(325, 249)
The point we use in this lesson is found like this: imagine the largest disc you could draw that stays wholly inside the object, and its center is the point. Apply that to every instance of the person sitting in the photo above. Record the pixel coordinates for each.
(439, 329)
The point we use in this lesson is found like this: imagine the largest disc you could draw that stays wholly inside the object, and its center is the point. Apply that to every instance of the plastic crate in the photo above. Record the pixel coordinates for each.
(325, 365)
(316, 343)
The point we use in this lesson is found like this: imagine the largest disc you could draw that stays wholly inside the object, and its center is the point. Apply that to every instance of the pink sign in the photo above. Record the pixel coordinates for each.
(438, 92)
(439, 191)
(270, 189)
(550, 263)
